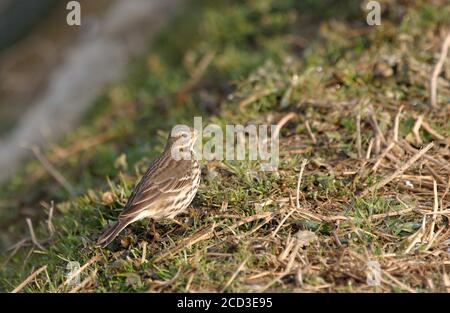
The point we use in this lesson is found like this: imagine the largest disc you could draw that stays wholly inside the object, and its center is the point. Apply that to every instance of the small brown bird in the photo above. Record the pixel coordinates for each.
(166, 189)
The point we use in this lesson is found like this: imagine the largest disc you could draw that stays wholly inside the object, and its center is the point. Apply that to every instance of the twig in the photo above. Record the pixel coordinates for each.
(254, 97)
(446, 280)
(377, 127)
(446, 191)
(399, 283)
(262, 215)
(33, 236)
(417, 236)
(20, 243)
(189, 281)
(433, 239)
(299, 181)
(382, 156)
(397, 123)
(392, 278)
(15, 248)
(289, 244)
(282, 122)
(437, 70)
(201, 235)
(85, 282)
(435, 210)
(293, 256)
(432, 132)
(78, 271)
(59, 154)
(399, 171)
(371, 218)
(254, 229)
(316, 217)
(196, 76)
(416, 129)
(235, 274)
(384, 215)
(403, 143)
(165, 283)
(358, 135)
(29, 279)
(434, 174)
(53, 171)
(144, 253)
(50, 226)
(310, 133)
(281, 223)
(293, 246)
(369, 149)
(277, 279)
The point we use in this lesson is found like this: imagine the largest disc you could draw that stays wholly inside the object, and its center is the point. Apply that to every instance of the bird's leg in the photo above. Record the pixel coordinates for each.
(154, 232)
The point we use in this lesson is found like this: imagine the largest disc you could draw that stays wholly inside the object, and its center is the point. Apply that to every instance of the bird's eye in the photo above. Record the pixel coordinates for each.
(184, 135)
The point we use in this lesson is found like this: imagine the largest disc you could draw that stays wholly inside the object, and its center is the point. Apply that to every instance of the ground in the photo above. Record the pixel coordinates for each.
(364, 175)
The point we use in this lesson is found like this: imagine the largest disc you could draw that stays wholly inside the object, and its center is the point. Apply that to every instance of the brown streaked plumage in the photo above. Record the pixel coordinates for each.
(166, 189)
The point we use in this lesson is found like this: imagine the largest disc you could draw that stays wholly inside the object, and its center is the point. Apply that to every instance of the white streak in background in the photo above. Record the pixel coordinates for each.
(94, 60)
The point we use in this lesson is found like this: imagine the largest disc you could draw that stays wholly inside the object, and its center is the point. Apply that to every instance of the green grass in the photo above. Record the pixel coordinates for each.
(255, 51)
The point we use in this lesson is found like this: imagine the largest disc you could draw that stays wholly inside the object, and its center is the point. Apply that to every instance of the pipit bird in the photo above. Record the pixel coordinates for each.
(166, 189)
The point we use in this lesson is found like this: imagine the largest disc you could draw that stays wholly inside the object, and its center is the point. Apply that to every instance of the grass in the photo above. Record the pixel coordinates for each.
(243, 219)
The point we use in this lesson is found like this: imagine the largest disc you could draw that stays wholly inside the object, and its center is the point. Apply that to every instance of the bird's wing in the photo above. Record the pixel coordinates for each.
(160, 182)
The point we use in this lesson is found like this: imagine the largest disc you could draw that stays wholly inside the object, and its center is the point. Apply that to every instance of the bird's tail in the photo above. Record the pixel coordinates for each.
(109, 234)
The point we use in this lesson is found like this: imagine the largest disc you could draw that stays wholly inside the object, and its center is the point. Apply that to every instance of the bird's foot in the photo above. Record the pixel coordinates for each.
(154, 232)
(181, 224)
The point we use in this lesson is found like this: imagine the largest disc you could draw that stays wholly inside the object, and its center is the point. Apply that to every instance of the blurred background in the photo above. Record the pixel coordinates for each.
(51, 72)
